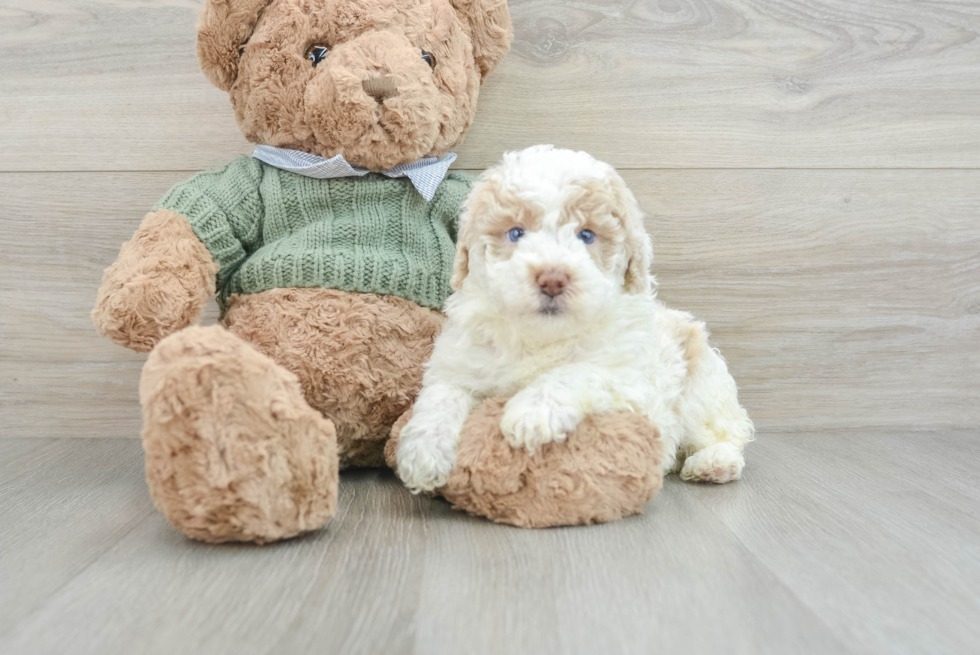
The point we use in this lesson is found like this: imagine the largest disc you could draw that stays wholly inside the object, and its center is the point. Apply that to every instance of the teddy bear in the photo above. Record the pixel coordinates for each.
(330, 252)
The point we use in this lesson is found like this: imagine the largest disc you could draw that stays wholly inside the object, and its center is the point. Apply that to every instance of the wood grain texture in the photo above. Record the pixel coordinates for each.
(114, 85)
(893, 512)
(91, 495)
(841, 299)
(853, 542)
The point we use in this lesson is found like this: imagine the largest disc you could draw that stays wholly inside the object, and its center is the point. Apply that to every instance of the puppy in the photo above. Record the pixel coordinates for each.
(555, 308)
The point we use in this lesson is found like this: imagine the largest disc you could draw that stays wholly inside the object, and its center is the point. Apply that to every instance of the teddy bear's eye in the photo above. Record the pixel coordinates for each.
(587, 236)
(316, 52)
(429, 58)
(515, 234)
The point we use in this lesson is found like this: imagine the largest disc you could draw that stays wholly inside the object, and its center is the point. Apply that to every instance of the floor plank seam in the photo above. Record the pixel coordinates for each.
(779, 579)
(53, 596)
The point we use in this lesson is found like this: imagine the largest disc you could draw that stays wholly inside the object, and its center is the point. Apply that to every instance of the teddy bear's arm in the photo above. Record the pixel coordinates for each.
(158, 284)
(184, 250)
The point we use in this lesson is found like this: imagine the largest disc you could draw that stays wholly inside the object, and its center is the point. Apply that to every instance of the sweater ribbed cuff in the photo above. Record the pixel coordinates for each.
(211, 226)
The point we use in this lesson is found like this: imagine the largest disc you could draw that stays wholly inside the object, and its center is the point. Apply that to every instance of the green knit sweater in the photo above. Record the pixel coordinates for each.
(269, 229)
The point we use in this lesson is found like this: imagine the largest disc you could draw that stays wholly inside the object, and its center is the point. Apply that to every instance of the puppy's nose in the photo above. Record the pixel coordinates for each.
(552, 281)
(380, 88)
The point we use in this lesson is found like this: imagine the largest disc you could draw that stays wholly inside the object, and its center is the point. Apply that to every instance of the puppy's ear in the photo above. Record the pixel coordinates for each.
(466, 234)
(222, 30)
(488, 24)
(461, 266)
(640, 250)
(638, 245)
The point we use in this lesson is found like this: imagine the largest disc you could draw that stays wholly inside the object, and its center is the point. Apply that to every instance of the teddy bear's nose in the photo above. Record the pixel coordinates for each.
(380, 88)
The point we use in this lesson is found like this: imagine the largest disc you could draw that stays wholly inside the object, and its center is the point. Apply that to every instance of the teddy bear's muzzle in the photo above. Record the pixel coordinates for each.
(375, 100)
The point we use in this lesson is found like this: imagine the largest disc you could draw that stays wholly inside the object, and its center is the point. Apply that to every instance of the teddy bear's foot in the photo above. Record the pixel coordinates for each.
(233, 451)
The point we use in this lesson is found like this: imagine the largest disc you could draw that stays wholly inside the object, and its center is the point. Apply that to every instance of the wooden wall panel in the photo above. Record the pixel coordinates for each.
(840, 299)
(114, 85)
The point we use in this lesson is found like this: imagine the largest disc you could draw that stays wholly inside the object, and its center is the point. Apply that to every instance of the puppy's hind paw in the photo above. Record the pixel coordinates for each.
(533, 418)
(718, 463)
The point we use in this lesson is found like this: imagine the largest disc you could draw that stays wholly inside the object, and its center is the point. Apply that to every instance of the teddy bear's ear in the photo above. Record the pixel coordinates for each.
(490, 30)
(222, 30)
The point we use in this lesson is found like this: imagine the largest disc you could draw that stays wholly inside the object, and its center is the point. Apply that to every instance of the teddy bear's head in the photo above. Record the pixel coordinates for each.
(382, 82)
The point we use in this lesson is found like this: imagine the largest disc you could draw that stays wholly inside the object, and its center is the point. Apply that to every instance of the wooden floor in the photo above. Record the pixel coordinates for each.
(839, 543)
(811, 174)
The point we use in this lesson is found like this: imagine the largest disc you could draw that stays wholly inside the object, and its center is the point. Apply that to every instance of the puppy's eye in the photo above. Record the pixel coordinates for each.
(587, 236)
(241, 51)
(316, 52)
(515, 234)
(429, 58)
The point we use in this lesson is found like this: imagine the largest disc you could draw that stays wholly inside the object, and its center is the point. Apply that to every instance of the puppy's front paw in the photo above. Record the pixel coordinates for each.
(426, 455)
(534, 418)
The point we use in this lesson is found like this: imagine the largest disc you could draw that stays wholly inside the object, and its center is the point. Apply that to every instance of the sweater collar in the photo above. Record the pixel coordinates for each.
(425, 174)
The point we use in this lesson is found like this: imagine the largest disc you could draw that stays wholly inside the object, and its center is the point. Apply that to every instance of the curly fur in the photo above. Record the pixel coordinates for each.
(281, 99)
(233, 452)
(358, 356)
(608, 469)
(158, 284)
(603, 343)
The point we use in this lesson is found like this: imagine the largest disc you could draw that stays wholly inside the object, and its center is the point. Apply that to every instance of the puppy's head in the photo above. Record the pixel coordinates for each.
(552, 237)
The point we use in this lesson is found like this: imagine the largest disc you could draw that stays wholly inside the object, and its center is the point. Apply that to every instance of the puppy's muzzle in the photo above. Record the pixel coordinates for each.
(552, 281)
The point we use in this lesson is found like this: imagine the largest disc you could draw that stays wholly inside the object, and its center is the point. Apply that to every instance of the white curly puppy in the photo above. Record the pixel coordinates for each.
(555, 308)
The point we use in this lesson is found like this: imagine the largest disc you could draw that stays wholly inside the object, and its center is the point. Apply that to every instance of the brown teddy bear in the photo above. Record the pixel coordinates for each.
(330, 251)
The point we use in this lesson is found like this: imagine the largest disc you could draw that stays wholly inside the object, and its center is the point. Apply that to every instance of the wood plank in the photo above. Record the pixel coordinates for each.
(159, 591)
(832, 542)
(646, 584)
(842, 299)
(397, 574)
(58, 378)
(867, 532)
(114, 85)
(63, 504)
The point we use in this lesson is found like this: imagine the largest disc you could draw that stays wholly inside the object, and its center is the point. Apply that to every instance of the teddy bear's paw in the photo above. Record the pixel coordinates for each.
(426, 455)
(158, 286)
(535, 417)
(718, 463)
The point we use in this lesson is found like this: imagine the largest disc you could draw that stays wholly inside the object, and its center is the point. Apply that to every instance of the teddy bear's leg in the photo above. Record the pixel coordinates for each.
(233, 451)
(358, 356)
(715, 428)
(608, 468)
